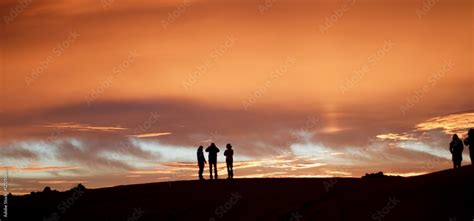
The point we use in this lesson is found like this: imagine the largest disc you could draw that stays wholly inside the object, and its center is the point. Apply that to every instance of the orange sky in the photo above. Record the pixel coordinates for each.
(278, 79)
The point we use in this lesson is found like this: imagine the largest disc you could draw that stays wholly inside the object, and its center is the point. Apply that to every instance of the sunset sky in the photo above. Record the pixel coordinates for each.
(110, 92)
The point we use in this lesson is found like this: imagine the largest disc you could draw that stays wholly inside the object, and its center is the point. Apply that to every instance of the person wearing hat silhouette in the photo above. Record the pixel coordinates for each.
(229, 159)
(201, 161)
(212, 150)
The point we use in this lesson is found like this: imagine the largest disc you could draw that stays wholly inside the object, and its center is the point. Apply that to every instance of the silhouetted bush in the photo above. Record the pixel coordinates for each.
(47, 189)
(81, 187)
(373, 175)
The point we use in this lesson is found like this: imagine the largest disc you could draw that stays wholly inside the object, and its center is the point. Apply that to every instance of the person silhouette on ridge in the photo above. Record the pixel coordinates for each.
(456, 147)
(229, 153)
(213, 150)
(469, 141)
(201, 161)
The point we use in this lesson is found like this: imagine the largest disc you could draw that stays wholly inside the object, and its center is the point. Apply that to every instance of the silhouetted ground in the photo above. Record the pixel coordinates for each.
(446, 195)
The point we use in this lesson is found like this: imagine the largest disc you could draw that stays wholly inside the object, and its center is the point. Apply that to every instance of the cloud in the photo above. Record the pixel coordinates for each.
(84, 127)
(432, 136)
(61, 181)
(45, 168)
(395, 136)
(421, 147)
(191, 123)
(434, 129)
(255, 136)
(449, 124)
(406, 174)
(150, 135)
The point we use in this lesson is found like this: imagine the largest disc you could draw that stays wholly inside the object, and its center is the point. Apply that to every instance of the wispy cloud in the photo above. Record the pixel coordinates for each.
(84, 127)
(406, 174)
(30, 169)
(60, 182)
(395, 136)
(450, 124)
(150, 135)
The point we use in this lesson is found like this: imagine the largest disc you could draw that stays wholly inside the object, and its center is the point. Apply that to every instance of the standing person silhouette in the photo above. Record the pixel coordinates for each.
(201, 161)
(229, 153)
(456, 147)
(469, 141)
(213, 150)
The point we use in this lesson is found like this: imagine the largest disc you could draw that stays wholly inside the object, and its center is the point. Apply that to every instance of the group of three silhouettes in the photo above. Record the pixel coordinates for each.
(213, 150)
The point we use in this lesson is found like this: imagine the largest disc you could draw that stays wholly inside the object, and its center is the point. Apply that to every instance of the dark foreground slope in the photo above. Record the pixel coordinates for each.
(446, 195)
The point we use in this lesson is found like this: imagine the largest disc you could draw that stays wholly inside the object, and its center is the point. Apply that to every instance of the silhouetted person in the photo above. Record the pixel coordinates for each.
(201, 161)
(229, 159)
(456, 147)
(213, 150)
(469, 141)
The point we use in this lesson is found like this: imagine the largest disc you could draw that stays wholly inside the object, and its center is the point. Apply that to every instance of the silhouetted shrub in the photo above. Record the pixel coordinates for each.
(47, 189)
(81, 187)
(373, 175)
